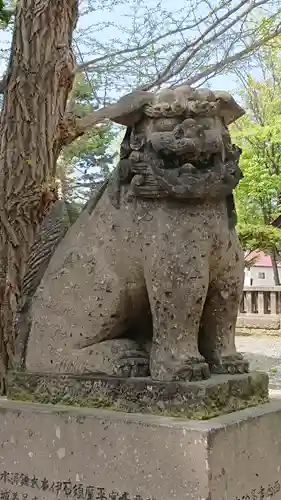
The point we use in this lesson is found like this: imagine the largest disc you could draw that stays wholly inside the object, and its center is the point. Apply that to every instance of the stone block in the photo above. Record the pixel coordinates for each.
(49, 452)
(197, 400)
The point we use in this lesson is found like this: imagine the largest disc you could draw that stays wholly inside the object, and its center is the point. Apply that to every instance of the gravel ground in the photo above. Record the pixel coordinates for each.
(264, 353)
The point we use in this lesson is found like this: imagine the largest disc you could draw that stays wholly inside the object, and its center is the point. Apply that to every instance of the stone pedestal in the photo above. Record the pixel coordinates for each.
(194, 400)
(49, 452)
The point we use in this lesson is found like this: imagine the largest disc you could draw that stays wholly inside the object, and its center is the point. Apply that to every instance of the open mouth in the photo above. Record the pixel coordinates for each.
(200, 162)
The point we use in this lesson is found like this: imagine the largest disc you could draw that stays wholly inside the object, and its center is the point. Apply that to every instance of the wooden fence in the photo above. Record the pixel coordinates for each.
(260, 308)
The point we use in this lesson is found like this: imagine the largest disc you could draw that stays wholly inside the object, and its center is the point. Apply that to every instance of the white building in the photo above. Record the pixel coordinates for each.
(261, 272)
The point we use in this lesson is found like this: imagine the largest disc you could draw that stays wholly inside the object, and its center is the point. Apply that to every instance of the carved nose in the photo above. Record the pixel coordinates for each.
(166, 107)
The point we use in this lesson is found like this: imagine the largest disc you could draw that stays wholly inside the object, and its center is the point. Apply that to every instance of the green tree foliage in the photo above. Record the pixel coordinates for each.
(258, 133)
(5, 14)
(88, 160)
(263, 237)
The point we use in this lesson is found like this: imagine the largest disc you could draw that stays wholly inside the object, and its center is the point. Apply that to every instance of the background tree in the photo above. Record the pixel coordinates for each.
(87, 161)
(6, 12)
(258, 197)
(38, 82)
(146, 45)
(133, 44)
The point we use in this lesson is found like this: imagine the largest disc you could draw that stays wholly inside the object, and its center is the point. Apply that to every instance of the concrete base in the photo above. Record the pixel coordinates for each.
(48, 451)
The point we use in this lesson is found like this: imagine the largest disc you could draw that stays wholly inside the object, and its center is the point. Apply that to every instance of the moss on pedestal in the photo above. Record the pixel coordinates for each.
(193, 400)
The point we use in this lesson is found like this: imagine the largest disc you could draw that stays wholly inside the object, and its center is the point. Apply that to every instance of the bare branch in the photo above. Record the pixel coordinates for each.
(72, 127)
(160, 47)
(167, 48)
(141, 47)
(202, 41)
(76, 127)
(227, 62)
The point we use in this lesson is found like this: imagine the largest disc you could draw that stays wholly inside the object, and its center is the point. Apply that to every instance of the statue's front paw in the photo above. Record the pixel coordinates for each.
(132, 366)
(192, 369)
(230, 364)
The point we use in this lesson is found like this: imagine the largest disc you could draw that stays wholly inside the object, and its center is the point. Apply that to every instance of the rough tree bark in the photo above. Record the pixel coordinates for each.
(275, 268)
(38, 81)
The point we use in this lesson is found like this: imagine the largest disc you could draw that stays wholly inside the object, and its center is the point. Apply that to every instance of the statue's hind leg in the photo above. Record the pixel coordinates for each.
(120, 345)
(121, 357)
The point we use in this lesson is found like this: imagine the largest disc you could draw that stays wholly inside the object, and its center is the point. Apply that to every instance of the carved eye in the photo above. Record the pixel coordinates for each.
(201, 130)
(177, 108)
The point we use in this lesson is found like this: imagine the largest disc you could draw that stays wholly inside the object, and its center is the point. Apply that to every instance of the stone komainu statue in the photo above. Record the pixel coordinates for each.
(150, 282)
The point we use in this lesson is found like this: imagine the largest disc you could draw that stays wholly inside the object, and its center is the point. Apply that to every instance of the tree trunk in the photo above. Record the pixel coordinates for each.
(275, 268)
(39, 78)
